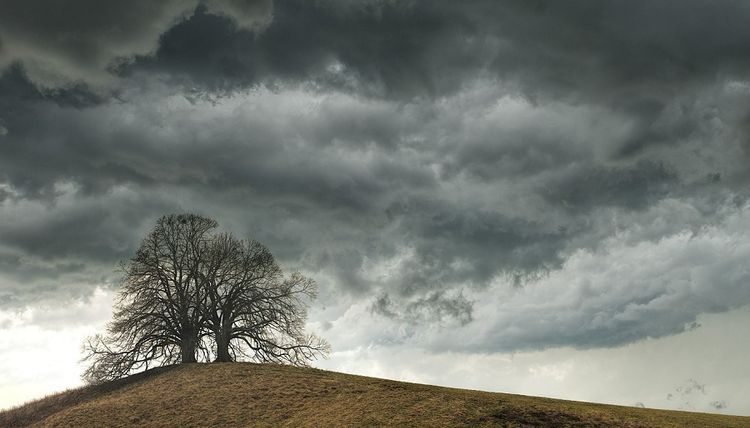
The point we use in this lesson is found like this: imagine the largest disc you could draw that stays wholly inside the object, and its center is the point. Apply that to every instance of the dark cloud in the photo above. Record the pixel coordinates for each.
(384, 48)
(618, 294)
(207, 49)
(18, 95)
(436, 307)
(577, 50)
(95, 233)
(81, 44)
(419, 48)
(401, 152)
(63, 44)
(456, 243)
(634, 187)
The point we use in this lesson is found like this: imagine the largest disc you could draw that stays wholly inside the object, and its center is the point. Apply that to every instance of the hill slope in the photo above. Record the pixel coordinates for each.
(245, 394)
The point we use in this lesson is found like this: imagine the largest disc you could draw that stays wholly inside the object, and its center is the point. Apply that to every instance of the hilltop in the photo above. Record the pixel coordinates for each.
(246, 394)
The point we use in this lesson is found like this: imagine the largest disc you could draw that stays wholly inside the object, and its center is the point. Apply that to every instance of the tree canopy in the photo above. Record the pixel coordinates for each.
(192, 294)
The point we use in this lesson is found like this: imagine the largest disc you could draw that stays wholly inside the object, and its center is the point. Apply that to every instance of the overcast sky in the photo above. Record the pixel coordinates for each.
(541, 197)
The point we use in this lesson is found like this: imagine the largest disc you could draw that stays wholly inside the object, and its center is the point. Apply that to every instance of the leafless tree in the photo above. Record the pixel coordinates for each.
(190, 293)
(253, 311)
(158, 317)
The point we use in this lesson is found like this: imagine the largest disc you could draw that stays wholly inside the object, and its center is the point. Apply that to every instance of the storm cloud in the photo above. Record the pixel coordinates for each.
(509, 175)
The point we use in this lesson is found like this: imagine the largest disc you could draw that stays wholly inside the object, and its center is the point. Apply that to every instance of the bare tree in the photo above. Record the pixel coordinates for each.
(253, 311)
(157, 317)
(190, 293)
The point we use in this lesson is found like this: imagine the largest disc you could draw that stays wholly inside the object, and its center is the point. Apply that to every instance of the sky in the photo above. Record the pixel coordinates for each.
(537, 197)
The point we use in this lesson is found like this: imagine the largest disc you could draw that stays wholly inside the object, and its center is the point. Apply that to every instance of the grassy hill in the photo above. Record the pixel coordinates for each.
(245, 394)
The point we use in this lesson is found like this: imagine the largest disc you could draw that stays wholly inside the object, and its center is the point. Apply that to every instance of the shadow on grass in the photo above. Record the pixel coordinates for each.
(37, 410)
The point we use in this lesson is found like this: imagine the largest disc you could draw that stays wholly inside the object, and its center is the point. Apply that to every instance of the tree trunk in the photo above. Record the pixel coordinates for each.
(189, 344)
(222, 348)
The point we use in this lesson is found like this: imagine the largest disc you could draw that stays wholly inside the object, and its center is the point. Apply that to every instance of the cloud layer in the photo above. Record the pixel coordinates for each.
(493, 176)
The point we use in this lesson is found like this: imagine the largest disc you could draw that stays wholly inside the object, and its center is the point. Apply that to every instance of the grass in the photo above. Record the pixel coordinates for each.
(245, 394)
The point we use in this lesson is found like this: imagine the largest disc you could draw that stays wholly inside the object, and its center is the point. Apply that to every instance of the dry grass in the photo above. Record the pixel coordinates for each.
(34, 411)
(244, 394)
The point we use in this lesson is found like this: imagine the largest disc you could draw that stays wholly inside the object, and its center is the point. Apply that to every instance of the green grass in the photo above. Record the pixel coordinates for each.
(245, 394)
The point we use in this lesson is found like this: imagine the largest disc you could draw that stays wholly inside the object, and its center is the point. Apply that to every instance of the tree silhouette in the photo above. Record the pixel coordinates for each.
(252, 310)
(190, 294)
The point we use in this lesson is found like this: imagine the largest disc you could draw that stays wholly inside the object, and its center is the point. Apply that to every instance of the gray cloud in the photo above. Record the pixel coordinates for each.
(388, 48)
(634, 187)
(403, 153)
(620, 293)
(64, 249)
(61, 45)
(486, 242)
(579, 49)
(72, 44)
(434, 308)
